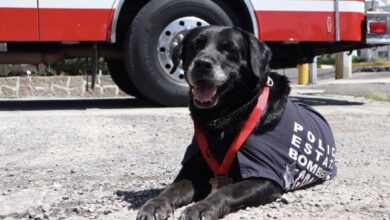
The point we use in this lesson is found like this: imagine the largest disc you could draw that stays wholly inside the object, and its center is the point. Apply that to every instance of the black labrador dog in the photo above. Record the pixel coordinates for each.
(251, 143)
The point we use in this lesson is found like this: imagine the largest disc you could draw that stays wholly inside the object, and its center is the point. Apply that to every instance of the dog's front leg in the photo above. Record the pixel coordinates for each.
(251, 192)
(177, 194)
(190, 185)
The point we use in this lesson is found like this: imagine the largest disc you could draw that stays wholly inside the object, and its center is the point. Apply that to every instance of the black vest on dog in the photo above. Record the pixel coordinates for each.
(299, 151)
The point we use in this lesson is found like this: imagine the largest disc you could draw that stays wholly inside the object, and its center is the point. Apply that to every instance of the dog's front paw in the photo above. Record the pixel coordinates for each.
(155, 209)
(200, 211)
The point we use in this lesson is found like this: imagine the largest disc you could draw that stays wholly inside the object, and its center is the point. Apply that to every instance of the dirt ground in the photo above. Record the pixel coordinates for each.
(89, 162)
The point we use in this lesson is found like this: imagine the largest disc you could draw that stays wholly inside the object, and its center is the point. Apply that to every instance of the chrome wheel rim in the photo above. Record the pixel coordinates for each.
(169, 38)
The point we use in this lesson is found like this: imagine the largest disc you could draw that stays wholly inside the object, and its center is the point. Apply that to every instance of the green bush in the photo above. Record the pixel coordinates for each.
(357, 59)
(380, 61)
(326, 60)
(379, 96)
(331, 60)
(73, 67)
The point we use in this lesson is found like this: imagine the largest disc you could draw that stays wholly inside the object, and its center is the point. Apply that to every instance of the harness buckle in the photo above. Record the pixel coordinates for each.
(270, 82)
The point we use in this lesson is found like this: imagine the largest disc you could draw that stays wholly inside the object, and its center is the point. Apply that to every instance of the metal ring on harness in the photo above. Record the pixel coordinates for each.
(270, 82)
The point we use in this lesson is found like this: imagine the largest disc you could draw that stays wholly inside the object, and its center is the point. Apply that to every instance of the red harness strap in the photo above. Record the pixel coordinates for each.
(246, 130)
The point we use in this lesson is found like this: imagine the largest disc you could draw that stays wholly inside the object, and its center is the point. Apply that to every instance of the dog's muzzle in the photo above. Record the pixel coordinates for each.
(204, 91)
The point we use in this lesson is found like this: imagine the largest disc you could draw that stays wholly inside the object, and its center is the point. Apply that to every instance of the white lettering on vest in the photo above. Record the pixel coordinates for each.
(310, 137)
(297, 127)
(308, 149)
(296, 141)
(293, 154)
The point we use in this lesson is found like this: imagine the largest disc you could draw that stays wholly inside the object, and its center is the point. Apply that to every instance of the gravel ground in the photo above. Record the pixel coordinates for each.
(355, 88)
(358, 90)
(105, 163)
(329, 86)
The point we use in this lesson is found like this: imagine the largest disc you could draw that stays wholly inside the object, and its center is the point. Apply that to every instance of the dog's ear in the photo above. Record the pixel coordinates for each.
(179, 51)
(259, 55)
(177, 55)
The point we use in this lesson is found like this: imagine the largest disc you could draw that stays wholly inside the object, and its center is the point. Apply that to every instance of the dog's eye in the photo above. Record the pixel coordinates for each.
(198, 43)
(229, 47)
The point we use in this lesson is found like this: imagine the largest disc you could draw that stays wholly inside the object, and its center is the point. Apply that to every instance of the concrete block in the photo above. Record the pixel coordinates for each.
(76, 81)
(110, 91)
(76, 92)
(8, 92)
(25, 91)
(62, 81)
(25, 81)
(59, 91)
(105, 80)
(41, 82)
(9, 81)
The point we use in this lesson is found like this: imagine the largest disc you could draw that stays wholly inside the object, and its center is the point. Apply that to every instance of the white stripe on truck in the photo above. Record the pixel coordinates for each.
(307, 5)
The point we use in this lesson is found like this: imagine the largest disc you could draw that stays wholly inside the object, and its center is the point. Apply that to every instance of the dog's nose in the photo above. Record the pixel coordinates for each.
(203, 64)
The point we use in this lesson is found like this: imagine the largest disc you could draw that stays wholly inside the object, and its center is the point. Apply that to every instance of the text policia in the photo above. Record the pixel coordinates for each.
(312, 155)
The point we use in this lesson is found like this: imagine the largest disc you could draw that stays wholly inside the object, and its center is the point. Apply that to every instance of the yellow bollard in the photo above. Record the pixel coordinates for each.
(303, 74)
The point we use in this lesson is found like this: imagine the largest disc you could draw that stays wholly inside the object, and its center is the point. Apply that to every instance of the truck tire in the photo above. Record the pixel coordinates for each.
(121, 77)
(154, 32)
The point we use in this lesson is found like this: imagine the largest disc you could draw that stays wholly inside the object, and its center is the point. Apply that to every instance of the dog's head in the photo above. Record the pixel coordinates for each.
(219, 61)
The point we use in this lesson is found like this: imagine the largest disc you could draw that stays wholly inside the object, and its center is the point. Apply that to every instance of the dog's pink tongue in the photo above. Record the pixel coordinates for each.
(204, 91)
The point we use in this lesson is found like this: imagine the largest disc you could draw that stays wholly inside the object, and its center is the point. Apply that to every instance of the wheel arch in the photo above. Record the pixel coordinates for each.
(253, 18)
(126, 10)
(117, 7)
(243, 11)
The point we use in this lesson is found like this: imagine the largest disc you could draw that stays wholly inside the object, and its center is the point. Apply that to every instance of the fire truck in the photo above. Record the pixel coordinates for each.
(136, 37)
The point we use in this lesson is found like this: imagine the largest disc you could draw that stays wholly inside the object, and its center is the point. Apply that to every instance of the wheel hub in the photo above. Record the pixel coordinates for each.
(169, 38)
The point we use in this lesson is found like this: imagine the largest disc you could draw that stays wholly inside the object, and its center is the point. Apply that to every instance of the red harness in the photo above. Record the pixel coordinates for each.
(223, 168)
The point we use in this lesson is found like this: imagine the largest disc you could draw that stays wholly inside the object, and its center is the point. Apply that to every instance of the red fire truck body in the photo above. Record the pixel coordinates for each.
(85, 20)
(296, 31)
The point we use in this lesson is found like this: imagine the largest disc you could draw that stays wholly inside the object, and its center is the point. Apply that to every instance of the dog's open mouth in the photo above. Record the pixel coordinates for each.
(205, 94)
